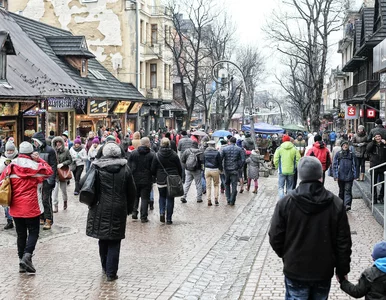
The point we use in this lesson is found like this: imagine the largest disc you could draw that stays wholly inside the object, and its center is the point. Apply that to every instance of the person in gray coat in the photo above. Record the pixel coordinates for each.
(253, 163)
(184, 143)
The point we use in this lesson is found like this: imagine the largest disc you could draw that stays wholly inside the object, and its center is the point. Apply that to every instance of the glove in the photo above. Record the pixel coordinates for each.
(60, 166)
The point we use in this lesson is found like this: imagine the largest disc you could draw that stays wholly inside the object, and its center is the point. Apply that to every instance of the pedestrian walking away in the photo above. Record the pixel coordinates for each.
(213, 167)
(115, 196)
(311, 234)
(253, 163)
(183, 143)
(27, 173)
(321, 152)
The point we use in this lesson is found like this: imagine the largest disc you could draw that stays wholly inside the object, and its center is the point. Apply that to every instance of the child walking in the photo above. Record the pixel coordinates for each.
(372, 283)
(253, 162)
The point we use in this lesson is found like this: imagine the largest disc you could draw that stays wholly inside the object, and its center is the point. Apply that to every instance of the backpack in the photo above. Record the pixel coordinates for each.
(192, 161)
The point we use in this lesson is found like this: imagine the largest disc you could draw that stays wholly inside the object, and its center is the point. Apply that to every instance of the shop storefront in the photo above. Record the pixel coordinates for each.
(9, 120)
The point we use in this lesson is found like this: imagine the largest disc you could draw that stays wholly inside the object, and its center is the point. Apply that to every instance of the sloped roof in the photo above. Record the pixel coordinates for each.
(111, 88)
(5, 41)
(69, 46)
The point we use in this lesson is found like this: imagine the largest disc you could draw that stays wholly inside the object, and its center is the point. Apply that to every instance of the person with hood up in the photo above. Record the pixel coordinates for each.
(64, 159)
(10, 154)
(48, 154)
(140, 162)
(321, 152)
(359, 142)
(372, 283)
(27, 173)
(136, 140)
(310, 232)
(78, 156)
(286, 159)
(114, 201)
(344, 170)
(183, 144)
(377, 129)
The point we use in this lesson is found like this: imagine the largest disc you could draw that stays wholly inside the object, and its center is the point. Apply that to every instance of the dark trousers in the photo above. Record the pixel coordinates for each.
(245, 172)
(77, 174)
(378, 177)
(222, 177)
(166, 203)
(345, 192)
(296, 290)
(324, 177)
(231, 178)
(183, 174)
(27, 230)
(361, 165)
(295, 179)
(109, 253)
(143, 192)
(47, 201)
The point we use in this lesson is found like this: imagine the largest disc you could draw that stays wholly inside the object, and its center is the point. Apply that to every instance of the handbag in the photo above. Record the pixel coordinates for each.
(6, 190)
(88, 193)
(174, 184)
(64, 173)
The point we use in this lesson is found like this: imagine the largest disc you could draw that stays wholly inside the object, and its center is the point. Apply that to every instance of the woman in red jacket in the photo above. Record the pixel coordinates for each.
(27, 173)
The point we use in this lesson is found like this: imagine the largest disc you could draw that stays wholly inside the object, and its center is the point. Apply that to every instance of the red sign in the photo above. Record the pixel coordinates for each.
(351, 111)
(370, 113)
(361, 113)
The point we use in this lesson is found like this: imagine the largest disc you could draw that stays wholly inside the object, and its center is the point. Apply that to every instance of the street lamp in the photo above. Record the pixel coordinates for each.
(224, 79)
(271, 106)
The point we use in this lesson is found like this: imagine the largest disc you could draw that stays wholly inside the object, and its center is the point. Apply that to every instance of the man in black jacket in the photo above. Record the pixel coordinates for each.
(377, 129)
(310, 232)
(48, 154)
(140, 163)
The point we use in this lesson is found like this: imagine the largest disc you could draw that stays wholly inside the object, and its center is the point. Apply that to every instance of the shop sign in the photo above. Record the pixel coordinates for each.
(351, 112)
(370, 113)
(361, 113)
(98, 107)
(122, 107)
(136, 107)
(9, 109)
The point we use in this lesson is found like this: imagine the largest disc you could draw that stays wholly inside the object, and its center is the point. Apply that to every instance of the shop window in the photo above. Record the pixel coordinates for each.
(154, 33)
(153, 76)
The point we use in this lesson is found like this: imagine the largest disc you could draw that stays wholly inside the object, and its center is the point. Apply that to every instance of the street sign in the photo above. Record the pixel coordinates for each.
(370, 113)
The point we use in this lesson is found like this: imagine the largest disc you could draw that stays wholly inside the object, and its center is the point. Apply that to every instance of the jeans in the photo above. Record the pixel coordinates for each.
(378, 177)
(62, 185)
(222, 177)
(361, 166)
(304, 290)
(77, 173)
(27, 230)
(212, 175)
(143, 192)
(189, 176)
(47, 201)
(231, 178)
(285, 180)
(6, 213)
(203, 181)
(165, 203)
(109, 253)
(151, 194)
(345, 191)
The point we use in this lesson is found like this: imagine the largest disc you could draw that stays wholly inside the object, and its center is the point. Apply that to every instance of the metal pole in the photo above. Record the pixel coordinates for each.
(137, 36)
(384, 209)
(372, 191)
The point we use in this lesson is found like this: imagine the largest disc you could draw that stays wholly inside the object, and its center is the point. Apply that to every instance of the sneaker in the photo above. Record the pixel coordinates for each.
(216, 202)
(183, 200)
(112, 278)
(9, 225)
(169, 222)
(162, 218)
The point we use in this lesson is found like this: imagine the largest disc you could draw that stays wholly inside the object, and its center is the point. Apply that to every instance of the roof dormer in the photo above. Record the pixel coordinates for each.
(73, 49)
(6, 49)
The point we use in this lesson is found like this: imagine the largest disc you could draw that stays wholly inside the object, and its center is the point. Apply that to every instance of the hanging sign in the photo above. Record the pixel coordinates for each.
(351, 112)
(98, 107)
(370, 113)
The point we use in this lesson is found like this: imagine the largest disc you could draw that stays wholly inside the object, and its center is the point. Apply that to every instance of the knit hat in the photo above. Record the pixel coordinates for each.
(10, 146)
(95, 141)
(343, 142)
(310, 169)
(378, 121)
(110, 138)
(78, 141)
(65, 133)
(111, 150)
(379, 250)
(286, 138)
(317, 138)
(361, 127)
(26, 148)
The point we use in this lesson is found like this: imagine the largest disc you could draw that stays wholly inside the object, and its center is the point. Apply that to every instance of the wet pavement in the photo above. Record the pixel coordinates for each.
(208, 253)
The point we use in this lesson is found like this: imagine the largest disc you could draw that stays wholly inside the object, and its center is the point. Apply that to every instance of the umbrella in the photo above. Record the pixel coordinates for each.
(221, 133)
(199, 133)
(262, 127)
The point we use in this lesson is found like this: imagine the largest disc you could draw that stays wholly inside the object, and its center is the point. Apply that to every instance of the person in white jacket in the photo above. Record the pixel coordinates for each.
(93, 151)
(79, 156)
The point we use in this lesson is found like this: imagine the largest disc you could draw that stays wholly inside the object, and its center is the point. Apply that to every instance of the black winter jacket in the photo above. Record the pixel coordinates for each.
(212, 159)
(310, 232)
(377, 153)
(184, 143)
(372, 285)
(248, 144)
(377, 129)
(140, 162)
(115, 190)
(233, 158)
(48, 154)
(170, 162)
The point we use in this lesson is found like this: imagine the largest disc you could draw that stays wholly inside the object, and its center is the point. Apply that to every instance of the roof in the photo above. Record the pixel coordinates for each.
(174, 106)
(36, 33)
(69, 46)
(5, 41)
(366, 32)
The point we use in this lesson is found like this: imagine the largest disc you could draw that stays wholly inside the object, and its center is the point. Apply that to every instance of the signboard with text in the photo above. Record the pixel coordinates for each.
(351, 112)
(98, 107)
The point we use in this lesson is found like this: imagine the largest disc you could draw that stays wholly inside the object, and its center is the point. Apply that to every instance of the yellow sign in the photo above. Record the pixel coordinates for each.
(136, 107)
(122, 107)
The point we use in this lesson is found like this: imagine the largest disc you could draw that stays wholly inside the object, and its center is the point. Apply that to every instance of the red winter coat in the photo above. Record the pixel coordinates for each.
(26, 176)
(321, 152)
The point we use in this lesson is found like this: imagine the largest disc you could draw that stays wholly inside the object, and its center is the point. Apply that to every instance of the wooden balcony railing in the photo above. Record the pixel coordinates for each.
(350, 92)
(366, 86)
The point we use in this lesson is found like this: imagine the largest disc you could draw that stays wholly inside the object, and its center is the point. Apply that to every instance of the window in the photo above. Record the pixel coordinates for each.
(154, 32)
(165, 76)
(141, 31)
(3, 65)
(4, 4)
(153, 76)
(97, 74)
(141, 75)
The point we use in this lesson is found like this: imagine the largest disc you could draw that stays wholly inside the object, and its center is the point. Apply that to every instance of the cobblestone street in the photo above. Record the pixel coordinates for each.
(208, 253)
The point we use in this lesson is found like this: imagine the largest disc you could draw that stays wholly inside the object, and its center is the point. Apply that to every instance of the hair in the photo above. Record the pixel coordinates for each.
(145, 141)
(52, 132)
(183, 132)
(167, 135)
(165, 143)
(233, 140)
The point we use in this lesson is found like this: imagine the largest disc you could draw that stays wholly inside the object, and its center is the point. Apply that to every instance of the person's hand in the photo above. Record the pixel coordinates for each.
(35, 156)
(60, 166)
(383, 141)
(340, 279)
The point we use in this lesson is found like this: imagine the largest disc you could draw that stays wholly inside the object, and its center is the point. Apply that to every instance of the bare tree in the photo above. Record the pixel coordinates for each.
(302, 36)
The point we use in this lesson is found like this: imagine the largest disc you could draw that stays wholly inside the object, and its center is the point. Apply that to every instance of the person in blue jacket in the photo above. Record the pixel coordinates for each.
(332, 139)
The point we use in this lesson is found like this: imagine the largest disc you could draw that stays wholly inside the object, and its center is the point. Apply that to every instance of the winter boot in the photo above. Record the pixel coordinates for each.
(56, 209)
(248, 187)
(26, 263)
(21, 268)
(209, 203)
(9, 224)
(64, 205)
(47, 225)
(216, 202)
(255, 190)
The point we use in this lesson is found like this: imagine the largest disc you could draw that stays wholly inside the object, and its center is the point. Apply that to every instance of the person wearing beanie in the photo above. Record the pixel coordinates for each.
(359, 142)
(67, 142)
(93, 151)
(321, 152)
(376, 149)
(106, 219)
(377, 129)
(285, 159)
(79, 157)
(48, 154)
(310, 232)
(88, 145)
(372, 282)
(28, 173)
(344, 171)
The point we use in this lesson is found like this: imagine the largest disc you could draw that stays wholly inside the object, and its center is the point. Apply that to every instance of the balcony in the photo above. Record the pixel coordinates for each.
(366, 86)
(151, 51)
(350, 92)
(160, 11)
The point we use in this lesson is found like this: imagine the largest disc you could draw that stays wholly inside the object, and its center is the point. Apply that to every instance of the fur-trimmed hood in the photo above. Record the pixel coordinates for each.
(108, 161)
(58, 139)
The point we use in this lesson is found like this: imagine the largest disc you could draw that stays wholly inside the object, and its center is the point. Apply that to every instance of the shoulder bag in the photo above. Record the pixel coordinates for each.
(64, 173)
(6, 190)
(173, 182)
